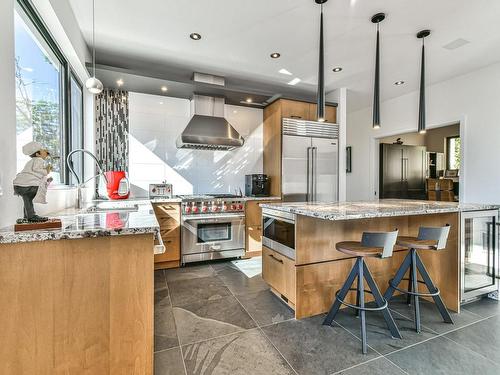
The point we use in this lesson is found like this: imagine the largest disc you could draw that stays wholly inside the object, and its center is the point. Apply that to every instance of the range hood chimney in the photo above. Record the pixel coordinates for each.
(208, 129)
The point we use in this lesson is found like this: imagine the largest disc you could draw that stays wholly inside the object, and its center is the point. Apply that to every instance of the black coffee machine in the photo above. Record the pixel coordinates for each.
(257, 185)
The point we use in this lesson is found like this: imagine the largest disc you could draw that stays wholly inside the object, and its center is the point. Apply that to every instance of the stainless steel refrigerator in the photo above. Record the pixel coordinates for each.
(402, 171)
(310, 161)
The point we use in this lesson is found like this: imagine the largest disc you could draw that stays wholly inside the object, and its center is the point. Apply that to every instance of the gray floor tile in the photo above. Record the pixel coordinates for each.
(442, 356)
(378, 335)
(204, 320)
(189, 272)
(240, 283)
(379, 366)
(265, 307)
(430, 316)
(312, 348)
(169, 362)
(247, 353)
(161, 298)
(185, 292)
(165, 335)
(482, 337)
(485, 307)
(160, 281)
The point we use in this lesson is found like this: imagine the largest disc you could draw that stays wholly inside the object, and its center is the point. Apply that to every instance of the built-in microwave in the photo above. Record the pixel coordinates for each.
(278, 232)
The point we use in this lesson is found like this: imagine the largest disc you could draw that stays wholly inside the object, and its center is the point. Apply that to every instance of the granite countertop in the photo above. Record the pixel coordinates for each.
(371, 209)
(262, 198)
(139, 219)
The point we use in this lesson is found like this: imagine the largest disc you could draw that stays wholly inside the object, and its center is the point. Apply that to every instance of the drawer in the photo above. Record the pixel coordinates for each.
(172, 249)
(295, 109)
(167, 210)
(254, 238)
(166, 232)
(279, 272)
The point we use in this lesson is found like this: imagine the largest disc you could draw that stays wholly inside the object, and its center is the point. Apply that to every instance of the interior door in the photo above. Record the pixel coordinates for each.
(295, 166)
(391, 181)
(414, 171)
(325, 169)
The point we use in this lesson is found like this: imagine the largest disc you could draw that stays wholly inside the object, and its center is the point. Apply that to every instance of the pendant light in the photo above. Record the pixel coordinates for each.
(421, 108)
(321, 68)
(93, 84)
(377, 18)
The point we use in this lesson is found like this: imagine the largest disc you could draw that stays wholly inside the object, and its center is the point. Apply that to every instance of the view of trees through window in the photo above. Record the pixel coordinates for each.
(453, 152)
(38, 94)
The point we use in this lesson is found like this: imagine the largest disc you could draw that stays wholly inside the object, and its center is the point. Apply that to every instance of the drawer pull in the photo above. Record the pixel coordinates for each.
(276, 259)
(295, 116)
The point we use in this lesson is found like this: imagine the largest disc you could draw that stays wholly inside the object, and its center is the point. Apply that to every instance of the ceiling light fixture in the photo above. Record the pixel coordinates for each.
(377, 18)
(248, 100)
(275, 55)
(195, 36)
(399, 83)
(120, 82)
(285, 72)
(164, 88)
(321, 68)
(337, 69)
(294, 81)
(421, 107)
(93, 84)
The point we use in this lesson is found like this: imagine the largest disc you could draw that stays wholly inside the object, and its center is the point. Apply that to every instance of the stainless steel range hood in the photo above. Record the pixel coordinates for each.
(208, 129)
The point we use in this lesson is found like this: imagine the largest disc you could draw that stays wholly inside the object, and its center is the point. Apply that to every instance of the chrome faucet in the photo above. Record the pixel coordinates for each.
(79, 182)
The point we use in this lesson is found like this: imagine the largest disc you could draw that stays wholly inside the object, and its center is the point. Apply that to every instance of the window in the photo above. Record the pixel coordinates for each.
(49, 99)
(453, 152)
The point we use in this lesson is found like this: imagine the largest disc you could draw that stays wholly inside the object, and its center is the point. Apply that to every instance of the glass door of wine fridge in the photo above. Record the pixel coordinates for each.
(479, 253)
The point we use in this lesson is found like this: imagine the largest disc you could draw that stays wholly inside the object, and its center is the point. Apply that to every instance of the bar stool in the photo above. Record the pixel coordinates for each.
(373, 244)
(428, 239)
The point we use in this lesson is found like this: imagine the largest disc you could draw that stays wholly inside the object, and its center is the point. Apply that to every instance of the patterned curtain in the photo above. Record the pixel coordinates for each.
(112, 127)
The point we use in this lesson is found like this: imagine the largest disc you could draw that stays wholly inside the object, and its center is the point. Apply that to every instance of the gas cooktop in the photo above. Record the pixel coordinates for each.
(211, 204)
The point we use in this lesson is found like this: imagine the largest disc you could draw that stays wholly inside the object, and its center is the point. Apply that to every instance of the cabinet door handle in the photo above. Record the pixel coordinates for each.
(295, 116)
(276, 259)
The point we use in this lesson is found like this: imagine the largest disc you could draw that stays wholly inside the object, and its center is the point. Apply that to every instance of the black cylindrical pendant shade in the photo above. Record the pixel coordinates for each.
(321, 74)
(376, 87)
(377, 18)
(421, 107)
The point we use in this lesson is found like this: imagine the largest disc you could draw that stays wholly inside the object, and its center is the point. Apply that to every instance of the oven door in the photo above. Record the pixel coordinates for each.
(278, 233)
(205, 234)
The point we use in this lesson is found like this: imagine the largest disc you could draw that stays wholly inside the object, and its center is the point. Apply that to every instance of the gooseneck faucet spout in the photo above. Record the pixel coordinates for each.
(79, 182)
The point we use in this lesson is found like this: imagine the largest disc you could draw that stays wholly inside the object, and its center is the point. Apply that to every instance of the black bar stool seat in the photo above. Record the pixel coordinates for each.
(429, 238)
(379, 245)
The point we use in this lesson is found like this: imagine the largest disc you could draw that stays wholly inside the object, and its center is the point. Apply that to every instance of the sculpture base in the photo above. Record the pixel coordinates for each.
(50, 224)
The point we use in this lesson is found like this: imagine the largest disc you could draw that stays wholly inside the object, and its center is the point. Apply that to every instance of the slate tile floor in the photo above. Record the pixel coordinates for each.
(221, 318)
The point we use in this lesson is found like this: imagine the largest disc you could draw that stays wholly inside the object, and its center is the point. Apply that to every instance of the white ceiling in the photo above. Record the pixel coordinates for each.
(239, 35)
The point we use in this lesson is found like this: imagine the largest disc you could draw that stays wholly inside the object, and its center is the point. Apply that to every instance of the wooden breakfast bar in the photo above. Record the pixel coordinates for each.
(307, 276)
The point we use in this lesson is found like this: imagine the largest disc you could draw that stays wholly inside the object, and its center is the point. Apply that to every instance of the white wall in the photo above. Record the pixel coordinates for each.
(154, 128)
(472, 99)
(340, 97)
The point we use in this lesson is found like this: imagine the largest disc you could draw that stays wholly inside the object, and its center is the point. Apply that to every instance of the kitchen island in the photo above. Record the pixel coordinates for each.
(304, 269)
(79, 299)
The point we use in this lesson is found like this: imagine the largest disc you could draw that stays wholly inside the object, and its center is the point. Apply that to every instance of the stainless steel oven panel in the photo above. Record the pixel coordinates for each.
(471, 295)
(188, 258)
(190, 244)
(279, 248)
(285, 216)
(275, 245)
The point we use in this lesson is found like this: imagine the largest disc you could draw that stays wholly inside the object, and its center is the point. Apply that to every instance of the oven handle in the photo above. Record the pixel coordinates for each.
(204, 218)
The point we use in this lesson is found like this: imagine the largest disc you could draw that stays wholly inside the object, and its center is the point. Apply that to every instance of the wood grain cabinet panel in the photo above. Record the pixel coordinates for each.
(254, 239)
(169, 219)
(279, 272)
(295, 109)
(330, 113)
(172, 249)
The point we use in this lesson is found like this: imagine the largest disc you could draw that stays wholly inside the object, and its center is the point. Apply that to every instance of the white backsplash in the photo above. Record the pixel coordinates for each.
(155, 124)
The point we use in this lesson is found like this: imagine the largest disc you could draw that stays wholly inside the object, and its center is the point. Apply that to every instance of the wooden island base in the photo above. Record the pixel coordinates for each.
(308, 283)
(79, 306)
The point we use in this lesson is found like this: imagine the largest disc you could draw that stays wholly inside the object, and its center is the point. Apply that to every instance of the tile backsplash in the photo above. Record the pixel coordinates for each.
(155, 124)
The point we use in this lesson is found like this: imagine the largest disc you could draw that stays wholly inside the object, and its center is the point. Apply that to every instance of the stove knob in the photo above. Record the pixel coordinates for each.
(187, 209)
(240, 207)
(195, 209)
(233, 207)
(224, 208)
(204, 209)
(215, 208)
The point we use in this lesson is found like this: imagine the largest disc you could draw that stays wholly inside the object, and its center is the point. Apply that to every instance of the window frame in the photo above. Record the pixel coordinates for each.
(448, 148)
(67, 74)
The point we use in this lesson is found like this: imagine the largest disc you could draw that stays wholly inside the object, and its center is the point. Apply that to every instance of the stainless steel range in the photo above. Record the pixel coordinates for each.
(213, 227)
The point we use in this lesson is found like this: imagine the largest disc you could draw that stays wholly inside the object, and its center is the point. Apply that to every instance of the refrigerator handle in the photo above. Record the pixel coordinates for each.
(308, 158)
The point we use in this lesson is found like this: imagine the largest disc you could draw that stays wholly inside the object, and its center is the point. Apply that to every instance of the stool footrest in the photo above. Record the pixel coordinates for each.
(418, 294)
(356, 307)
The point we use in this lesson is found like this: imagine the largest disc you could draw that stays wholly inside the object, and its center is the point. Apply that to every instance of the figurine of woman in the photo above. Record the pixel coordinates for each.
(31, 178)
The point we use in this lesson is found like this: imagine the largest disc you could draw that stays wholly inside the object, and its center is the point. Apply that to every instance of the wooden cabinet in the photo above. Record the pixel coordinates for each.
(169, 218)
(253, 227)
(330, 113)
(295, 109)
(279, 272)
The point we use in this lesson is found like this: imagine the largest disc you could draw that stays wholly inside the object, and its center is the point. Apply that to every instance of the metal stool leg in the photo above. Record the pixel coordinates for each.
(432, 289)
(361, 289)
(343, 292)
(380, 302)
(357, 298)
(410, 282)
(416, 302)
(399, 276)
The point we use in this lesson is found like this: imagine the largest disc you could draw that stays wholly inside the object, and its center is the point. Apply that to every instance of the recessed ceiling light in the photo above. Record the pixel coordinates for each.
(249, 100)
(294, 81)
(119, 82)
(164, 88)
(275, 55)
(285, 72)
(161, 102)
(195, 36)
(337, 69)
(399, 83)
(235, 111)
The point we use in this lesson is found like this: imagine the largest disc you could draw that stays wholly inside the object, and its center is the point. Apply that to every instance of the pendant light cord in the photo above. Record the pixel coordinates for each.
(93, 37)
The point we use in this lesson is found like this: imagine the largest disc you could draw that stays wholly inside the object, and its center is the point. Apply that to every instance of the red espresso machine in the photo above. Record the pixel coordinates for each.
(118, 185)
